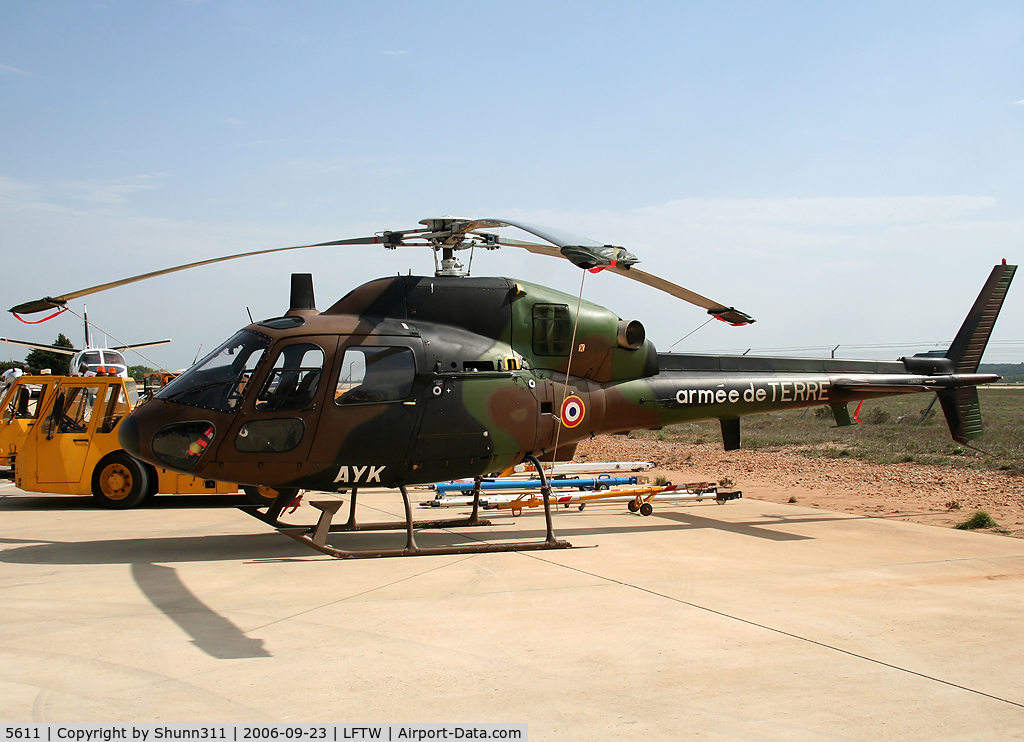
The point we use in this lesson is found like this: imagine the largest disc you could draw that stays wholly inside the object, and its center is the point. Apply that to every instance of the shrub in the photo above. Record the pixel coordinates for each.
(877, 416)
(980, 519)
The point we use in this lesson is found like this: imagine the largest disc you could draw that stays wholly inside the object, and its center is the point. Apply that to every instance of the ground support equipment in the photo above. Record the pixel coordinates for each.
(589, 467)
(581, 483)
(637, 499)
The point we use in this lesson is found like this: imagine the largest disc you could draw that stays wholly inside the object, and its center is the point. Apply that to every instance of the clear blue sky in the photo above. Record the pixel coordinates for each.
(846, 172)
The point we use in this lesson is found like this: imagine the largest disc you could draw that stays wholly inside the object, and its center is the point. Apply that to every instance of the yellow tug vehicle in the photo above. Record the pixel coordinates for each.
(59, 435)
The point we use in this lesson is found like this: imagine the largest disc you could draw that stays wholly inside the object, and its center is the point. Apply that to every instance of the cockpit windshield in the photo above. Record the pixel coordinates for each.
(217, 382)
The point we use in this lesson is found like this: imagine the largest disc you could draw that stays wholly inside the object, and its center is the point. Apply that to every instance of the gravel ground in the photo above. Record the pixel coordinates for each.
(936, 495)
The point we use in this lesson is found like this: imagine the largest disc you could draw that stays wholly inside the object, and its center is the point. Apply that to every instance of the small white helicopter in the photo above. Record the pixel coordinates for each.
(90, 360)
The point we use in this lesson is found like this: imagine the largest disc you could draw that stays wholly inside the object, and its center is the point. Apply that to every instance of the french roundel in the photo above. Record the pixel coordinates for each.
(573, 411)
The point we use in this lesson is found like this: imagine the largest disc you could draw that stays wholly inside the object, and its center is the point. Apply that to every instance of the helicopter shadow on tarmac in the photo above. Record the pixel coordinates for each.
(148, 559)
(269, 546)
(209, 631)
(216, 635)
(23, 502)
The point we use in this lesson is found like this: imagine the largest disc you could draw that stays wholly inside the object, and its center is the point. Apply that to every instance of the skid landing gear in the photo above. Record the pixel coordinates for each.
(316, 536)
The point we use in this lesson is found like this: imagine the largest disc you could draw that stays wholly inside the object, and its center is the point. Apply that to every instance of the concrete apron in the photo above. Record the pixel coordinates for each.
(748, 620)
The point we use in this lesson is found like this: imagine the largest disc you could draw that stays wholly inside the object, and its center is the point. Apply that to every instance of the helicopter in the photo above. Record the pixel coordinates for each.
(419, 379)
(90, 360)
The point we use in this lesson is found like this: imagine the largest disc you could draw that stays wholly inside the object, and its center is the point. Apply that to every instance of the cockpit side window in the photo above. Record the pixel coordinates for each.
(375, 374)
(293, 381)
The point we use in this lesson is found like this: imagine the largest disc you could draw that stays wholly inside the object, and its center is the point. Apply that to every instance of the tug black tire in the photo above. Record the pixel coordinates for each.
(120, 482)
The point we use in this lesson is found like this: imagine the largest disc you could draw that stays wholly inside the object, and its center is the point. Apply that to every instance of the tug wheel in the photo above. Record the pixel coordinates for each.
(267, 495)
(633, 507)
(646, 509)
(119, 482)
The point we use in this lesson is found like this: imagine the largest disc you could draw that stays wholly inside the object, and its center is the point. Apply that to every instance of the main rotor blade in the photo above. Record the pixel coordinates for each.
(40, 346)
(726, 314)
(52, 302)
(557, 238)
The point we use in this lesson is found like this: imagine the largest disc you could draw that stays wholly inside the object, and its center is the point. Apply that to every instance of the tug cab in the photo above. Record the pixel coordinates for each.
(155, 381)
(64, 440)
(19, 412)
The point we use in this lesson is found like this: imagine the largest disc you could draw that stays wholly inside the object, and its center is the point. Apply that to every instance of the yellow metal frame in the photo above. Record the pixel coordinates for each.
(64, 462)
(641, 496)
(14, 428)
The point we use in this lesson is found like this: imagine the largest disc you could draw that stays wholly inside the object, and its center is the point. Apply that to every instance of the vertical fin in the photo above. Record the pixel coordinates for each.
(963, 413)
(969, 344)
(960, 405)
(841, 413)
(730, 433)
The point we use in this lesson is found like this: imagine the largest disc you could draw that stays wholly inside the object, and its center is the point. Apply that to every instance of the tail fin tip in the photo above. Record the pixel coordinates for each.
(969, 344)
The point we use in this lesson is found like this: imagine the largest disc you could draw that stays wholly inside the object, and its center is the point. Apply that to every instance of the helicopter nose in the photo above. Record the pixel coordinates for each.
(128, 436)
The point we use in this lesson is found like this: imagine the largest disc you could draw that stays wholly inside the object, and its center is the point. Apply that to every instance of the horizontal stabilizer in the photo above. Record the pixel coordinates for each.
(867, 387)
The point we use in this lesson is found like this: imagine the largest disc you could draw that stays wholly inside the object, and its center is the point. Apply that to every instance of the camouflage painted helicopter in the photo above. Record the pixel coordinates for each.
(413, 379)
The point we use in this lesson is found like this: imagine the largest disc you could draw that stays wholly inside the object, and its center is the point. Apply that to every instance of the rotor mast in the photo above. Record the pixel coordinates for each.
(449, 234)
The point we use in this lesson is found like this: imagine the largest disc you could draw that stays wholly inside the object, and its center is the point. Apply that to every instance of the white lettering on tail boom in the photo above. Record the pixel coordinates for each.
(770, 391)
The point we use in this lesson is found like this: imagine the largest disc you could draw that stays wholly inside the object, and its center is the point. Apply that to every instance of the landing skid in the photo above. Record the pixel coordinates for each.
(315, 536)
